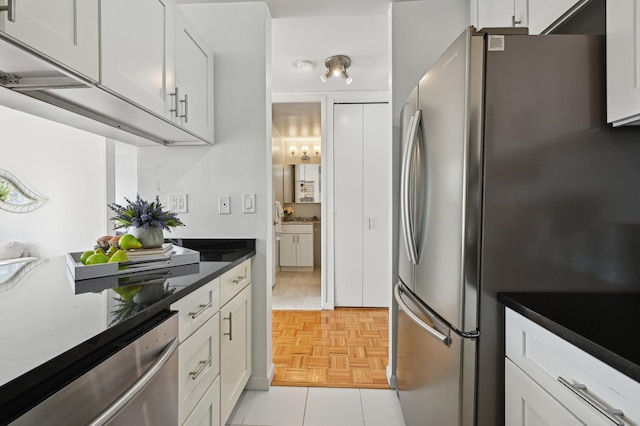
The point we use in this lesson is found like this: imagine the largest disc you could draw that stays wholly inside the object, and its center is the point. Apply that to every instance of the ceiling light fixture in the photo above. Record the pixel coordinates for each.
(337, 67)
(305, 150)
(304, 65)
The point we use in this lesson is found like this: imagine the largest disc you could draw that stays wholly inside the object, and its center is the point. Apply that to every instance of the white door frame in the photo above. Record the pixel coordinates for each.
(327, 100)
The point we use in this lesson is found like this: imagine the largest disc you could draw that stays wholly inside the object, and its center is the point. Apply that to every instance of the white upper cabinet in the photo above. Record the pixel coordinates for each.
(194, 80)
(540, 16)
(492, 13)
(623, 56)
(63, 30)
(138, 51)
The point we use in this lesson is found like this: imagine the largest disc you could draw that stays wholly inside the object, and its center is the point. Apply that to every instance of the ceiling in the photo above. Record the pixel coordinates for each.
(297, 120)
(308, 8)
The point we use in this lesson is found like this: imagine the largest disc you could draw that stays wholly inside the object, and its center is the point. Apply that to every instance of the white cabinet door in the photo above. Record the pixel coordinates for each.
(288, 255)
(138, 51)
(493, 13)
(304, 249)
(64, 30)
(623, 57)
(235, 350)
(376, 255)
(194, 80)
(527, 404)
(348, 200)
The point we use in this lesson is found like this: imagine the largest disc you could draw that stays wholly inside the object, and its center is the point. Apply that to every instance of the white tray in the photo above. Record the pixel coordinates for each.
(177, 256)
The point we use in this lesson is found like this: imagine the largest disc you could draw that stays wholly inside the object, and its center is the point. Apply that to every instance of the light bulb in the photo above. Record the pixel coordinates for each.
(305, 149)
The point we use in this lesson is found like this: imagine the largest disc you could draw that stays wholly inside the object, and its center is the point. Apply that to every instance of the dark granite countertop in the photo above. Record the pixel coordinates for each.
(602, 324)
(50, 323)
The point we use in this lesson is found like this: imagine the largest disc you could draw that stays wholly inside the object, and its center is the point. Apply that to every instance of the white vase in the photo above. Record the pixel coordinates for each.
(150, 237)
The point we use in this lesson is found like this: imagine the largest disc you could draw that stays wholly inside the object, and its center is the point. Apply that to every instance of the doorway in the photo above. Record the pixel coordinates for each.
(298, 198)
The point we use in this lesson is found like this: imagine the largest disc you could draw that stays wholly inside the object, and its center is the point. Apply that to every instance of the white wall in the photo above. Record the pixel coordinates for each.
(419, 32)
(237, 163)
(65, 165)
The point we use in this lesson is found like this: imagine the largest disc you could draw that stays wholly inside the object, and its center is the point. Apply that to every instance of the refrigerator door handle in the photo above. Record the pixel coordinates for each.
(405, 213)
(446, 340)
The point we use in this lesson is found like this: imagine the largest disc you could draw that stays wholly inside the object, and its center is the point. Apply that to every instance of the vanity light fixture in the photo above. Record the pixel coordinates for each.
(337, 67)
(305, 152)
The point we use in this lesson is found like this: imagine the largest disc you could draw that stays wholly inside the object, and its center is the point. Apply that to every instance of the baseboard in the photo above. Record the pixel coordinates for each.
(261, 383)
(391, 379)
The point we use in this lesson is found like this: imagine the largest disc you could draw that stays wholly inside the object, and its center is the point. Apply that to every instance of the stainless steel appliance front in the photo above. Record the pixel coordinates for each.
(137, 385)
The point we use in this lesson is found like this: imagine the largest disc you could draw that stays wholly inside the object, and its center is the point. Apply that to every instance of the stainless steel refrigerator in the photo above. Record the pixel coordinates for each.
(511, 181)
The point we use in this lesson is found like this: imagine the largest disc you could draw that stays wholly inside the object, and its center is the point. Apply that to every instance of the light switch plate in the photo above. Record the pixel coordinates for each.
(224, 204)
(248, 203)
(177, 202)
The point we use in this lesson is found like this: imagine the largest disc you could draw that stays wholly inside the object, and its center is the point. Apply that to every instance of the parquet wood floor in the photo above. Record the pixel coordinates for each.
(346, 347)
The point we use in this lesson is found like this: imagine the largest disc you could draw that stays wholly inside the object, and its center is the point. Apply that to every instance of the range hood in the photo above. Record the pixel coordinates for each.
(37, 85)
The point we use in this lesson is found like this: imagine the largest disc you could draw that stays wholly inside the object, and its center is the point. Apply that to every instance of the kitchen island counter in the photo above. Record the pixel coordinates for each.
(53, 327)
(602, 324)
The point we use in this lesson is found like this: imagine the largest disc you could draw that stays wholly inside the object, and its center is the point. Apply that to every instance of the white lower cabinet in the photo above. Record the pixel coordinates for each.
(296, 247)
(235, 350)
(199, 365)
(215, 347)
(549, 381)
(207, 412)
(527, 404)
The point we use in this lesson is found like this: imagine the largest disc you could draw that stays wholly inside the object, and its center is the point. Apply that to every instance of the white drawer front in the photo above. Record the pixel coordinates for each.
(207, 412)
(199, 365)
(196, 308)
(546, 358)
(234, 280)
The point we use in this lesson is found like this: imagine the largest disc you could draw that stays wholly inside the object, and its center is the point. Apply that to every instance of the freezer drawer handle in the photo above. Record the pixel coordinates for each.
(580, 389)
(435, 333)
(199, 312)
(139, 385)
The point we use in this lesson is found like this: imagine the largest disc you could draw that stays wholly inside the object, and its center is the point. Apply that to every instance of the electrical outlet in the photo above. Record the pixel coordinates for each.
(178, 202)
(224, 204)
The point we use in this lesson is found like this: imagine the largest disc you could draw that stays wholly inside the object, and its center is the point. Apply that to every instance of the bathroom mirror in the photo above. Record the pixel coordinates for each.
(307, 183)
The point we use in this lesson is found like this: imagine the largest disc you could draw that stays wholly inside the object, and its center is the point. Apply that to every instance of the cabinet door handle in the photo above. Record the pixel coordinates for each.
(514, 22)
(580, 389)
(203, 364)
(369, 224)
(203, 308)
(11, 10)
(230, 333)
(176, 97)
(185, 101)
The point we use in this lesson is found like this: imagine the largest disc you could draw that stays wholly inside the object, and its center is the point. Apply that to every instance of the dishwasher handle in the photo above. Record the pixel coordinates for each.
(137, 386)
(446, 340)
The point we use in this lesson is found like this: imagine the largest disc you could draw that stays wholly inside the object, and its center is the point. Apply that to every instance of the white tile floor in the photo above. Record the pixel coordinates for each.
(301, 406)
(297, 290)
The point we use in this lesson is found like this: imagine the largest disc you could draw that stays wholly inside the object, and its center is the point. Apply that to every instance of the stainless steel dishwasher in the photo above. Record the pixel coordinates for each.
(135, 385)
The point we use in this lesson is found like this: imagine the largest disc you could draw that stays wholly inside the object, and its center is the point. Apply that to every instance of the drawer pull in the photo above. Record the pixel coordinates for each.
(203, 308)
(230, 333)
(203, 364)
(239, 279)
(580, 391)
